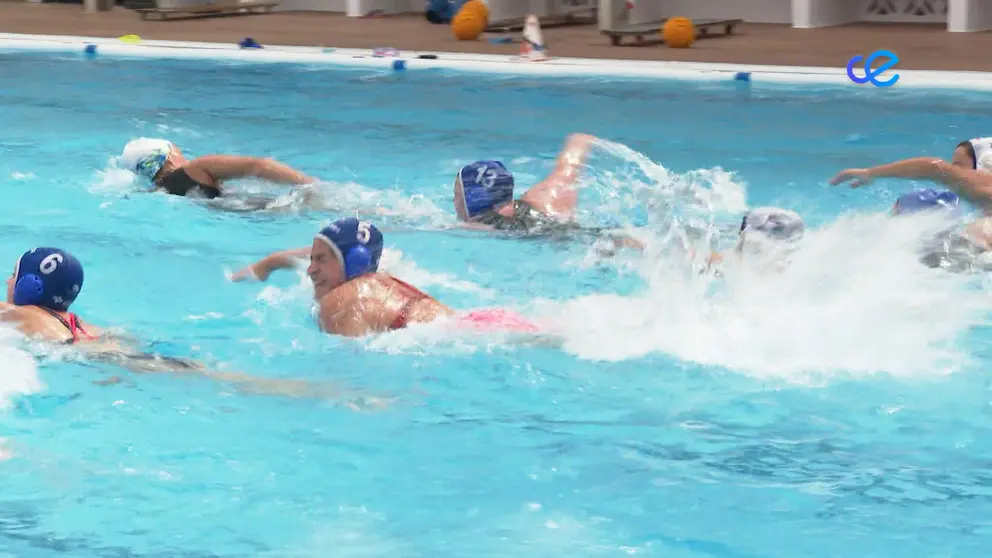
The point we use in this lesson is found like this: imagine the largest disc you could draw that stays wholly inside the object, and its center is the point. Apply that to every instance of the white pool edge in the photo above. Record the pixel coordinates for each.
(485, 63)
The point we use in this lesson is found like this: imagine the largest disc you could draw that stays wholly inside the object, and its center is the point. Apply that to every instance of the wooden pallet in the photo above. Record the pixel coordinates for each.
(516, 24)
(653, 30)
(207, 10)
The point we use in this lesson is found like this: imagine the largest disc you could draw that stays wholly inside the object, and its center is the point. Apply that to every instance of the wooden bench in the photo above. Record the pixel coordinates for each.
(653, 29)
(207, 10)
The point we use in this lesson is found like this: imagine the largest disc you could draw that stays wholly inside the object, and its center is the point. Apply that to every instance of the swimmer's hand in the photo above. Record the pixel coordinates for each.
(247, 273)
(261, 269)
(857, 177)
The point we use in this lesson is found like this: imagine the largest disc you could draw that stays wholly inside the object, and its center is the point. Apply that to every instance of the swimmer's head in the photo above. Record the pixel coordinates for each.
(924, 199)
(974, 154)
(147, 156)
(342, 251)
(46, 277)
(482, 187)
(764, 227)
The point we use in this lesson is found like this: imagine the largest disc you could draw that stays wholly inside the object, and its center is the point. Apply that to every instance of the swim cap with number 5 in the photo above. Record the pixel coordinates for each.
(357, 245)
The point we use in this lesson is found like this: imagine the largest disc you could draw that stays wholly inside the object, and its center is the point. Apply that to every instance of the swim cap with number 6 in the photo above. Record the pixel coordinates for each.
(47, 277)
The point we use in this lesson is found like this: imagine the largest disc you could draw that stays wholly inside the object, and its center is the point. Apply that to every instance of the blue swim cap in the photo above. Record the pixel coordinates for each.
(485, 186)
(47, 277)
(357, 244)
(926, 198)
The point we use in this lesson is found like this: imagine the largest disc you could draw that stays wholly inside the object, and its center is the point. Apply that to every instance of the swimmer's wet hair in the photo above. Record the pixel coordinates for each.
(970, 149)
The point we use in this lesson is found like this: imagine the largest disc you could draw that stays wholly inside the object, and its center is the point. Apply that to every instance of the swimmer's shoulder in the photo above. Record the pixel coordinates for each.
(34, 322)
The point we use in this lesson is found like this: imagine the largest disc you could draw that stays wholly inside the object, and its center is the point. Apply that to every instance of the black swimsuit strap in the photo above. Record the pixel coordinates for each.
(59, 317)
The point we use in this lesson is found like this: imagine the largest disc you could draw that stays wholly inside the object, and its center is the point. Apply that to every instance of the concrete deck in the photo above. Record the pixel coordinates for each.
(924, 47)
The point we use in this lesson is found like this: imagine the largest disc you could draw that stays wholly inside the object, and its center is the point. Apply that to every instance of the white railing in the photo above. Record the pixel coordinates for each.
(904, 11)
(569, 7)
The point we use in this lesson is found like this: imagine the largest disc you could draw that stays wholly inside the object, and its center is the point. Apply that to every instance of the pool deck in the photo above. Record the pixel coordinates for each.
(921, 46)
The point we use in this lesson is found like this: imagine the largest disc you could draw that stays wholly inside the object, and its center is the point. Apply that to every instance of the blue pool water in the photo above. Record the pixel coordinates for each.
(840, 409)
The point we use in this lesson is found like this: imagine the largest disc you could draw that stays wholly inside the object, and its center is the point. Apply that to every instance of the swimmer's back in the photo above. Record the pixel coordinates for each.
(180, 183)
(528, 220)
(382, 302)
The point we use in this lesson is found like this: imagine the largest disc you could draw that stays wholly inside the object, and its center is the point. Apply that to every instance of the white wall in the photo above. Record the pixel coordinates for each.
(312, 5)
(969, 15)
(822, 13)
(756, 11)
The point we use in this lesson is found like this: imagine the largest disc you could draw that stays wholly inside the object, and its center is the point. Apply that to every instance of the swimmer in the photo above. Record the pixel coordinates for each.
(765, 231)
(483, 194)
(953, 249)
(353, 298)
(969, 174)
(162, 163)
(45, 284)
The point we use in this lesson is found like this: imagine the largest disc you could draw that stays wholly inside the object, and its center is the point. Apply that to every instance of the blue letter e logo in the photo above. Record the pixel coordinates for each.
(870, 73)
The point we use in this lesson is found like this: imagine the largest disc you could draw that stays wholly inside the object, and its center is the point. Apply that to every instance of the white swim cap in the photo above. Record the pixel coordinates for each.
(983, 153)
(776, 223)
(145, 156)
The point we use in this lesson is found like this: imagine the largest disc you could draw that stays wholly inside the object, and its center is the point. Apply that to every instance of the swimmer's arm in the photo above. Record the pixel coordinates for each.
(571, 160)
(222, 167)
(261, 269)
(555, 196)
(974, 186)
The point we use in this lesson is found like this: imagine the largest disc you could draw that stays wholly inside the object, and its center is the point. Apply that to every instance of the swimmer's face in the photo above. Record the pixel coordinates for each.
(325, 270)
(459, 199)
(962, 158)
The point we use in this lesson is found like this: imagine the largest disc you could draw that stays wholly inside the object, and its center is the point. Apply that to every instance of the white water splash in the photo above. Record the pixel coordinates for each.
(853, 300)
(20, 371)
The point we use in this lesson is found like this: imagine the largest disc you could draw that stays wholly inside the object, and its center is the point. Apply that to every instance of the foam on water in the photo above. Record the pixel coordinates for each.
(854, 299)
(20, 372)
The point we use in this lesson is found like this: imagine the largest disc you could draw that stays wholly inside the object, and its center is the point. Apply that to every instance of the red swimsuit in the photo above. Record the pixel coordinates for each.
(414, 295)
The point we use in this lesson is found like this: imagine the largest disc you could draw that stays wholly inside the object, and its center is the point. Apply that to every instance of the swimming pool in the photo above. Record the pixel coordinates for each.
(832, 415)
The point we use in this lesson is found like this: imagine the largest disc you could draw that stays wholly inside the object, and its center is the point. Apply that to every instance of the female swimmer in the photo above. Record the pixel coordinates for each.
(767, 231)
(969, 173)
(354, 298)
(161, 162)
(484, 194)
(46, 282)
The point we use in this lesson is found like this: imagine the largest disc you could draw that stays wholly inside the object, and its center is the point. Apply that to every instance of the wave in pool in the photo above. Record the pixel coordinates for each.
(853, 299)
(20, 371)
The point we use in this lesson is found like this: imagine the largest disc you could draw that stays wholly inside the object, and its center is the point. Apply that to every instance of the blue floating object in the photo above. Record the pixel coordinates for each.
(500, 40)
(399, 65)
(90, 50)
(742, 76)
(248, 42)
